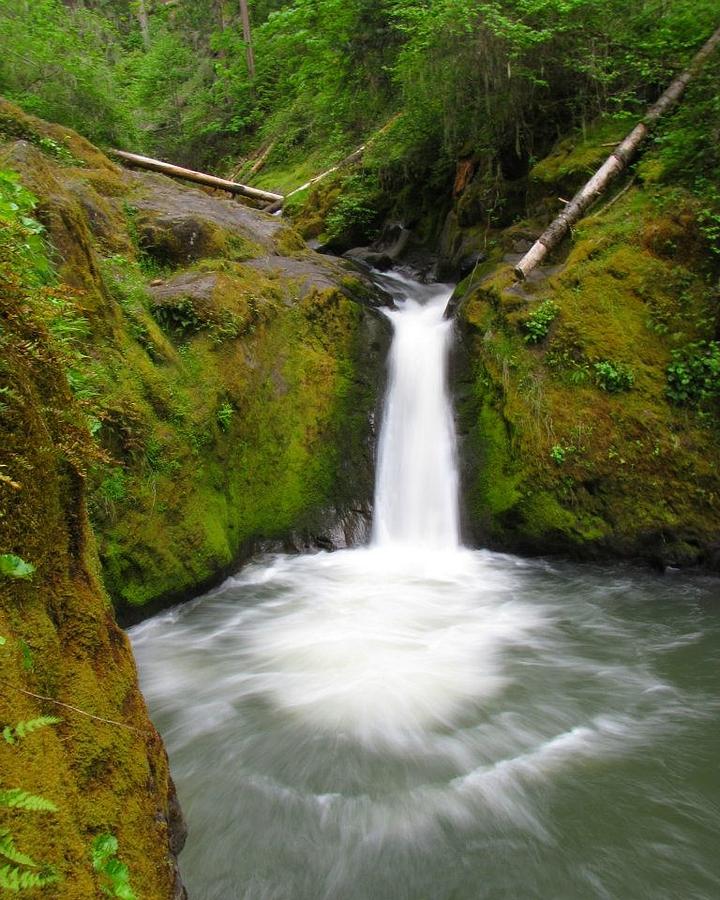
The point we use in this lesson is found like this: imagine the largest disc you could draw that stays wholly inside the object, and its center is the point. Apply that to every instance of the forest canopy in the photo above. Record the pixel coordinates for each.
(328, 72)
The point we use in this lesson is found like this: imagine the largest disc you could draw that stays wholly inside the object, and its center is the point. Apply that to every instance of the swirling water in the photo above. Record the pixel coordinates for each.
(416, 720)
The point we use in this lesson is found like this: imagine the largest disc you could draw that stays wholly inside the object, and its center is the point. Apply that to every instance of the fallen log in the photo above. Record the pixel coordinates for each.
(617, 162)
(156, 165)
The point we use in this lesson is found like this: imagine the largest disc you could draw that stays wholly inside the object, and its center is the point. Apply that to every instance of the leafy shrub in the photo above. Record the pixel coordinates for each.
(613, 377)
(354, 217)
(179, 316)
(539, 321)
(24, 247)
(693, 375)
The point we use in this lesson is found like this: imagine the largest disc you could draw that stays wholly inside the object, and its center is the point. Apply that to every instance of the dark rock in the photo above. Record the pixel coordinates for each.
(179, 224)
(467, 264)
(370, 257)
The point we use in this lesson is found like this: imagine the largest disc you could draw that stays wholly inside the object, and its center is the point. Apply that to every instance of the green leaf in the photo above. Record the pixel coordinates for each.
(12, 566)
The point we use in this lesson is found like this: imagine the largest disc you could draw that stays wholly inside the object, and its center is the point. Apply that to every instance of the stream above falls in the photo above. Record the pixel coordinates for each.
(417, 720)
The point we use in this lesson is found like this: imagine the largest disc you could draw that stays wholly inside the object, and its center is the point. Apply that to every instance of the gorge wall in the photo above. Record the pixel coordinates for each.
(182, 382)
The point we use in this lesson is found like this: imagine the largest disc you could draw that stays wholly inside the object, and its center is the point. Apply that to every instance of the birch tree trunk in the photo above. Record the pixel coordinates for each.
(247, 37)
(157, 165)
(617, 162)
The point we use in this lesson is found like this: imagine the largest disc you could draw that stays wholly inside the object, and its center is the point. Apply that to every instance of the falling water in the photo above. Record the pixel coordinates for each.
(416, 489)
(415, 720)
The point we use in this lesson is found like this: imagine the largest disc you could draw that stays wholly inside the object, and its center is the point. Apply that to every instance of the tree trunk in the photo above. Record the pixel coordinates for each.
(156, 165)
(617, 162)
(142, 15)
(247, 37)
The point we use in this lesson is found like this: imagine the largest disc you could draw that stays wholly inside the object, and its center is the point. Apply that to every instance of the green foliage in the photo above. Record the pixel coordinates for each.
(58, 62)
(180, 315)
(16, 798)
(557, 454)
(27, 657)
(539, 321)
(12, 566)
(693, 375)
(24, 248)
(14, 733)
(613, 377)
(15, 879)
(353, 218)
(10, 851)
(224, 415)
(114, 875)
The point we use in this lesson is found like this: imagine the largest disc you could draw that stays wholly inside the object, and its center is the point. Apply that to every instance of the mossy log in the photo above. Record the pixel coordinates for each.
(156, 165)
(617, 162)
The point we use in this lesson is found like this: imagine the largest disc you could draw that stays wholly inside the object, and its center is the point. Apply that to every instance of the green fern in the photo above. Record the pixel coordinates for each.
(14, 879)
(23, 729)
(114, 875)
(21, 872)
(16, 798)
(10, 851)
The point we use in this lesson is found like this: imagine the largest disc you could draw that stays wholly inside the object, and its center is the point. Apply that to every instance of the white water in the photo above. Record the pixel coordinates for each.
(415, 720)
(416, 500)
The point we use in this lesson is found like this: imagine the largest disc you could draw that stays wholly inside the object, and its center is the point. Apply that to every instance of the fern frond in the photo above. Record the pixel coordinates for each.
(16, 798)
(14, 879)
(11, 852)
(23, 729)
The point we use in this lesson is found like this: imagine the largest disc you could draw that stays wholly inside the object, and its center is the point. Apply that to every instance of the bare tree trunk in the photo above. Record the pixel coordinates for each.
(617, 162)
(142, 15)
(156, 165)
(247, 37)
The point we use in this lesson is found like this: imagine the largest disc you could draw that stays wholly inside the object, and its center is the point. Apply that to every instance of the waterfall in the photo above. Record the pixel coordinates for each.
(416, 490)
(416, 719)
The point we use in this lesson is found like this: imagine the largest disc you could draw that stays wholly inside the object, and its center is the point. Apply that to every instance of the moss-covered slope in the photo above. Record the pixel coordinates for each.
(577, 437)
(225, 372)
(101, 769)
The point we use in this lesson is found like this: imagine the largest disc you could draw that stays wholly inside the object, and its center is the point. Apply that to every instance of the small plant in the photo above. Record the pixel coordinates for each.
(558, 454)
(539, 321)
(21, 872)
(114, 875)
(180, 316)
(58, 151)
(12, 566)
(14, 733)
(693, 375)
(224, 415)
(613, 377)
(354, 214)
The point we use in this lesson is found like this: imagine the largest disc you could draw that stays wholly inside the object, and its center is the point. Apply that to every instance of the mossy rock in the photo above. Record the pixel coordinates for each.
(553, 462)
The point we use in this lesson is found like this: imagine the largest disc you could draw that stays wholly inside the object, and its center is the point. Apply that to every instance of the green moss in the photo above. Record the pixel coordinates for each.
(576, 158)
(637, 476)
(60, 640)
